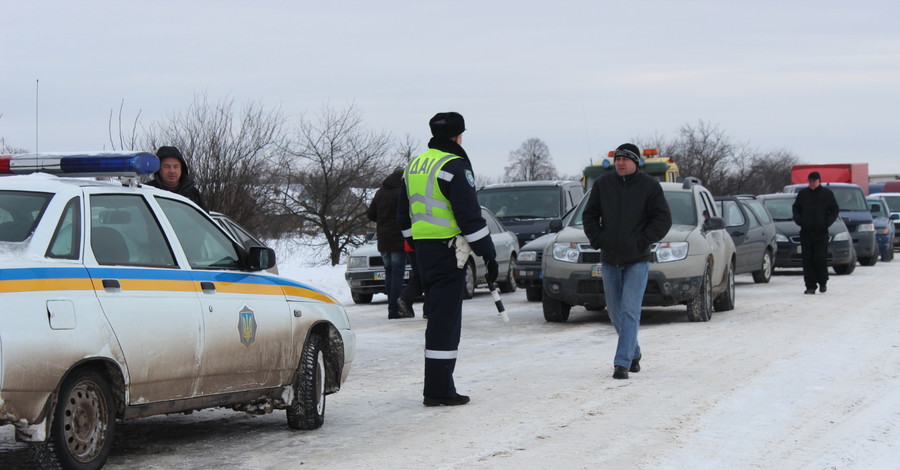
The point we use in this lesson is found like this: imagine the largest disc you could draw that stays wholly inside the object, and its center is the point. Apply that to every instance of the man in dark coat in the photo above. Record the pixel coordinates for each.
(383, 211)
(174, 175)
(815, 209)
(626, 213)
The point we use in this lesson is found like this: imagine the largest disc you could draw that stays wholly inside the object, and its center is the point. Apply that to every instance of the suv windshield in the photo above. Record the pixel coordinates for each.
(681, 204)
(893, 203)
(20, 212)
(521, 203)
(849, 198)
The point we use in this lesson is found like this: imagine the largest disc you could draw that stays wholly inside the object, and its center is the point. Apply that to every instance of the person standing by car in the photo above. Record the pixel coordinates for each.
(814, 210)
(383, 211)
(443, 216)
(174, 176)
(413, 288)
(626, 212)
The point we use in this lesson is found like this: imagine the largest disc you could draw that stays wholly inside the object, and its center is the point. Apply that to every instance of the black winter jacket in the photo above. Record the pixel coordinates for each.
(186, 186)
(815, 210)
(624, 215)
(383, 211)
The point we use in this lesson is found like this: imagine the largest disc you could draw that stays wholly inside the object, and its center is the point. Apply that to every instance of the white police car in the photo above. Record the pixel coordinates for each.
(119, 301)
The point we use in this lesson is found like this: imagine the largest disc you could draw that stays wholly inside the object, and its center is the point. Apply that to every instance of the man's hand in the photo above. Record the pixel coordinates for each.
(492, 272)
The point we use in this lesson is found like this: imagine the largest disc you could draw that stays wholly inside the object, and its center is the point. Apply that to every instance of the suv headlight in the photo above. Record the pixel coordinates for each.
(357, 262)
(528, 256)
(781, 238)
(671, 251)
(566, 252)
(842, 236)
(865, 228)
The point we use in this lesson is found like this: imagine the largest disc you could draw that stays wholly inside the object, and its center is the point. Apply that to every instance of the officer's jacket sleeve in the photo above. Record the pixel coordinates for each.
(403, 218)
(457, 182)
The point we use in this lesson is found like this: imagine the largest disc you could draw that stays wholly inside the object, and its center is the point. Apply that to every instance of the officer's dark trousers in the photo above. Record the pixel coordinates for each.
(443, 284)
(814, 252)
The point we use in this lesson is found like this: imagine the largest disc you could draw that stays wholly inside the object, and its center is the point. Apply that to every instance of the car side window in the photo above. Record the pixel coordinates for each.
(67, 236)
(732, 214)
(754, 221)
(203, 242)
(492, 224)
(759, 210)
(124, 231)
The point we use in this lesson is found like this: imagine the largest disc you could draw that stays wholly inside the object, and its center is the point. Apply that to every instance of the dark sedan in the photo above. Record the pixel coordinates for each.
(753, 232)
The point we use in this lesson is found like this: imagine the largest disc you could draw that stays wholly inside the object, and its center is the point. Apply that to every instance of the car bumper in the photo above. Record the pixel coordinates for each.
(369, 282)
(865, 245)
(789, 254)
(581, 288)
(528, 275)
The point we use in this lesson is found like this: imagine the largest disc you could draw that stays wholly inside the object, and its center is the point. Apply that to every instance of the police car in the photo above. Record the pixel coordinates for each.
(119, 301)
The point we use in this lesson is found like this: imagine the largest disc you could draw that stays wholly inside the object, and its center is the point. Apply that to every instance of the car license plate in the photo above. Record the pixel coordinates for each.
(379, 276)
(595, 270)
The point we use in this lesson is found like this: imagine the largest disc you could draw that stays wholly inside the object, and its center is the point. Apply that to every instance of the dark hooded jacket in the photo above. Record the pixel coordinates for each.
(624, 215)
(186, 186)
(815, 210)
(383, 211)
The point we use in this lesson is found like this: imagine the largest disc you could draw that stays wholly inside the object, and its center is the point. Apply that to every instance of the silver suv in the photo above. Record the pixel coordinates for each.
(692, 265)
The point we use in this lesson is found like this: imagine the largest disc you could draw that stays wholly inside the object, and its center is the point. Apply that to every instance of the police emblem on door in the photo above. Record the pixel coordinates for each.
(247, 326)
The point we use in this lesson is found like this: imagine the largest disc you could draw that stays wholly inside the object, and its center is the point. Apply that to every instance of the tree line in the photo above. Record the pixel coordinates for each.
(315, 175)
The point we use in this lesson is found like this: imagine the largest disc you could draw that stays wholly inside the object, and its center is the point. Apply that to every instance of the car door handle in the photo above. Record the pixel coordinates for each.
(207, 285)
(737, 233)
(111, 284)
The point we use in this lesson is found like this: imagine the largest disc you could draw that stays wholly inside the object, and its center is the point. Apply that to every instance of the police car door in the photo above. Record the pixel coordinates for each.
(247, 322)
(151, 305)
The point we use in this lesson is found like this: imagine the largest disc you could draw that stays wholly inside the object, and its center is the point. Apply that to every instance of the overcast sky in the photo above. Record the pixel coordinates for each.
(818, 78)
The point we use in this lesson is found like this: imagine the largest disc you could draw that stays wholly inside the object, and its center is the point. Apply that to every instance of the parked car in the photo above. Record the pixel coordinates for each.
(239, 234)
(365, 268)
(884, 226)
(893, 202)
(856, 215)
(841, 254)
(528, 207)
(121, 301)
(528, 272)
(692, 265)
(753, 232)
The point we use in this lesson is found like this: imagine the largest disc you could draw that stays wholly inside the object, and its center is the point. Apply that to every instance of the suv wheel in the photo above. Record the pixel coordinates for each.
(725, 300)
(361, 298)
(509, 285)
(555, 311)
(764, 275)
(700, 307)
(534, 294)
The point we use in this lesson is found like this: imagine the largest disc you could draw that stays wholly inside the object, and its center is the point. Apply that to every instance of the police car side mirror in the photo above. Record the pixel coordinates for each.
(260, 258)
(714, 223)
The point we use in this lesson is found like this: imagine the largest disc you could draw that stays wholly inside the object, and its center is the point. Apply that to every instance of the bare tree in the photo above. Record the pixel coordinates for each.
(131, 143)
(767, 172)
(530, 162)
(705, 152)
(330, 173)
(230, 154)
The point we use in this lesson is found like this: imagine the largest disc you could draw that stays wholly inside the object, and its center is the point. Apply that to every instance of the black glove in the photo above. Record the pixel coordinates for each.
(492, 272)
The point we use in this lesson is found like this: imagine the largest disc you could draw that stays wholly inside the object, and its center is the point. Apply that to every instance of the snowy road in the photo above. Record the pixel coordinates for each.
(785, 381)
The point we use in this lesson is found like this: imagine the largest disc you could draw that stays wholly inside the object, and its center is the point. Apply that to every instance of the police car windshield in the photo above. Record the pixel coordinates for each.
(20, 211)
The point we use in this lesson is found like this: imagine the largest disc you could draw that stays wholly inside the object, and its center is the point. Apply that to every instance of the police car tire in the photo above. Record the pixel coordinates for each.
(81, 433)
(307, 410)
(469, 290)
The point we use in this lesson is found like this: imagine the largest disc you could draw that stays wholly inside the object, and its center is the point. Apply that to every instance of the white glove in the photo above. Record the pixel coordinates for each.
(463, 251)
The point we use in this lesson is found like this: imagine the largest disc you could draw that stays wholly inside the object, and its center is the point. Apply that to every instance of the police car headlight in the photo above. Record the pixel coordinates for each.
(565, 252)
(528, 256)
(842, 236)
(866, 228)
(781, 238)
(671, 251)
(357, 262)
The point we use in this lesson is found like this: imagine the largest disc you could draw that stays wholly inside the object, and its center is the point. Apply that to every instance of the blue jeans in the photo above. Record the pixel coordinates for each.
(624, 290)
(394, 267)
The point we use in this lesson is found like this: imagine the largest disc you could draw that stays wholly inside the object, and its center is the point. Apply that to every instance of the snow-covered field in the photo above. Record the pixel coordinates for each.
(784, 381)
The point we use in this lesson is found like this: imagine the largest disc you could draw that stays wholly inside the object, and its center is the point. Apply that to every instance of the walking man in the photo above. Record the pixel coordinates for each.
(626, 212)
(443, 215)
(815, 209)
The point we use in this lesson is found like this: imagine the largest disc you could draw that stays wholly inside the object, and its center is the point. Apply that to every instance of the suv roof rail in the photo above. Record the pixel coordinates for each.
(690, 181)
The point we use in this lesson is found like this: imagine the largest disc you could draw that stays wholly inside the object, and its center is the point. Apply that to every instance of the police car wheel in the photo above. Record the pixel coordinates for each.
(307, 410)
(84, 421)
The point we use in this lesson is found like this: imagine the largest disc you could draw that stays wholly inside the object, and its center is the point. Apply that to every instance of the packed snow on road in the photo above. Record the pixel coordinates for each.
(785, 380)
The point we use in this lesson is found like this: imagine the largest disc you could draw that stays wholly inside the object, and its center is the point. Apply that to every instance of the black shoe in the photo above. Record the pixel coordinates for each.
(809, 291)
(405, 309)
(635, 365)
(823, 289)
(394, 315)
(454, 400)
(620, 373)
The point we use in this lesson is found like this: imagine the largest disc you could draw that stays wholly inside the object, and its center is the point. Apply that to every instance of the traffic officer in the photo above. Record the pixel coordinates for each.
(441, 202)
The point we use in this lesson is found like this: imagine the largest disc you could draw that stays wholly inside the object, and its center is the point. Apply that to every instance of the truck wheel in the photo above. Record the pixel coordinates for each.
(700, 307)
(764, 275)
(534, 294)
(307, 410)
(555, 311)
(360, 298)
(509, 285)
(83, 424)
(725, 301)
(469, 290)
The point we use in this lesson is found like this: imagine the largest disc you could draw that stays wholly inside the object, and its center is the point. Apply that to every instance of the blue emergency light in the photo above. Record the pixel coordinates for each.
(83, 164)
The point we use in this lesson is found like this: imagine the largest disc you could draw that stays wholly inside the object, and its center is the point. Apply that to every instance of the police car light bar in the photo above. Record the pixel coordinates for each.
(96, 164)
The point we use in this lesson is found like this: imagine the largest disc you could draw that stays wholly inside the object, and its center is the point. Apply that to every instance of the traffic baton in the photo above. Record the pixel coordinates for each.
(499, 303)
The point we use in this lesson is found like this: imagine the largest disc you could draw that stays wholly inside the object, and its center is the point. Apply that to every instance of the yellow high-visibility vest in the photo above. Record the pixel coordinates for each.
(430, 211)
